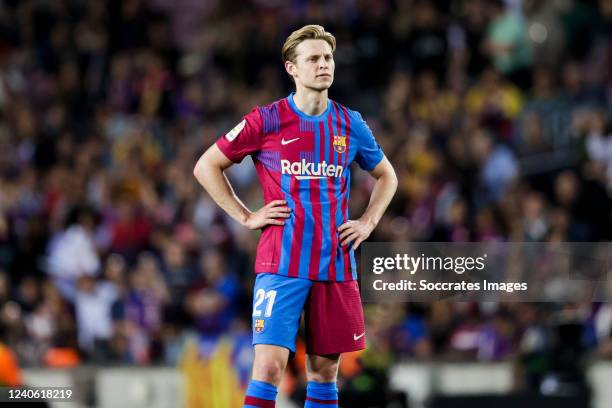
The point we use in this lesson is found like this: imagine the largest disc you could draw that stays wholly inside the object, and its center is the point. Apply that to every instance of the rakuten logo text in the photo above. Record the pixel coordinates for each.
(304, 170)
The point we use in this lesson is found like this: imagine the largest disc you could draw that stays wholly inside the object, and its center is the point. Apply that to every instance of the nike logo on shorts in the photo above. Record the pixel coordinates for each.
(286, 142)
(356, 337)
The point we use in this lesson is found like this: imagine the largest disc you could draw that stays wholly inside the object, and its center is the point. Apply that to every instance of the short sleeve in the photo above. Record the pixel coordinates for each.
(245, 138)
(369, 153)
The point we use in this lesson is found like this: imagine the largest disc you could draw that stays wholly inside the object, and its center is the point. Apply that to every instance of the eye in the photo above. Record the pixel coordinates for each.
(328, 58)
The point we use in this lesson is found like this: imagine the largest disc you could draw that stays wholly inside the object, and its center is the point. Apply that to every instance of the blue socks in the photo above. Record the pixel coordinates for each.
(260, 394)
(318, 395)
(321, 395)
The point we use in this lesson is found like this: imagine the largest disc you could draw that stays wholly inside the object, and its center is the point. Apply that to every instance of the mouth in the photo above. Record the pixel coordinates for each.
(324, 76)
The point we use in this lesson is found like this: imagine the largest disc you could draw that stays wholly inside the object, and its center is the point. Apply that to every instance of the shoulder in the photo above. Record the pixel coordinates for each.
(259, 112)
(275, 105)
(352, 115)
(271, 109)
(270, 115)
(262, 116)
(356, 120)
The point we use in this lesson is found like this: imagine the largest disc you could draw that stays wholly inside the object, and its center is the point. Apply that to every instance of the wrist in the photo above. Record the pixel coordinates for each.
(370, 221)
(244, 218)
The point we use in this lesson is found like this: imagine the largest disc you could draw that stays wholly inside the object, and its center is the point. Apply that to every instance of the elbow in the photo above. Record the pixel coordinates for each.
(200, 169)
(393, 181)
(395, 184)
(206, 169)
(197, 170)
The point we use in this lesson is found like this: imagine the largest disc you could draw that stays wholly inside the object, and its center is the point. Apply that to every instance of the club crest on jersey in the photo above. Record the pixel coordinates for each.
(340, 143)
(259, 325)
(232, 134)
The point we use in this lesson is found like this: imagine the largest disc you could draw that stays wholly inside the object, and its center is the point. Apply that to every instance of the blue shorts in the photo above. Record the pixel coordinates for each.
(333, 314)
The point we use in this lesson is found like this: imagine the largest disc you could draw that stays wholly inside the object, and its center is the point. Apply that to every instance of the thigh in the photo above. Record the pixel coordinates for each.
(278, 302)
(334, 319)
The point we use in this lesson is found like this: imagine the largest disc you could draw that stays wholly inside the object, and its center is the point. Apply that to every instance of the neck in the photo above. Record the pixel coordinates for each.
(310, 101)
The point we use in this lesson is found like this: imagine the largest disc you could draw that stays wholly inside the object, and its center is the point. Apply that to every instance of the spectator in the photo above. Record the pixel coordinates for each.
(93, 303)
(211, 300)
(508, 45)
(498, 165)
(177, 269)
(72, 253)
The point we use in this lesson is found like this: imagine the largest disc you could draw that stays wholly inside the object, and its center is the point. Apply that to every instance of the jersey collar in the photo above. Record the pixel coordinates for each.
(302, 115)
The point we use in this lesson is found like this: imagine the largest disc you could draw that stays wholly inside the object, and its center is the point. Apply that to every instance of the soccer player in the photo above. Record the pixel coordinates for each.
(302, 147)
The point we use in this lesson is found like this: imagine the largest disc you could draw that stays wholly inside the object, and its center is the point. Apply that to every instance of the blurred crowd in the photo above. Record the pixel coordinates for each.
(495, 114)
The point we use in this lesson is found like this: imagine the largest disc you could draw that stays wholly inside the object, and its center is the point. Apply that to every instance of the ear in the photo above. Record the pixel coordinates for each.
(290, 68)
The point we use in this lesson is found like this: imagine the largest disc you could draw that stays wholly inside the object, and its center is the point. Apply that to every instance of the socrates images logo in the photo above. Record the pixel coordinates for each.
(259, 325)
(340, 143)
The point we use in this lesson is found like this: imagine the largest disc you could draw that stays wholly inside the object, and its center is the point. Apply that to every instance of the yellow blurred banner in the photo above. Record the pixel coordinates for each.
(211, 382)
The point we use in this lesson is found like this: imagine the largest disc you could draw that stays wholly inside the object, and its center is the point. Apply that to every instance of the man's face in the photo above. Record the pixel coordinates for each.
(313, 67)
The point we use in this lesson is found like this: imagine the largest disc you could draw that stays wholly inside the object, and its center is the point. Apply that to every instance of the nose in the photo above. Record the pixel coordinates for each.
(323, 63)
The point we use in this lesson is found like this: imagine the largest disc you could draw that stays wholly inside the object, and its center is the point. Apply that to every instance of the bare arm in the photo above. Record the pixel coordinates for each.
(359, 230)
(209, 171)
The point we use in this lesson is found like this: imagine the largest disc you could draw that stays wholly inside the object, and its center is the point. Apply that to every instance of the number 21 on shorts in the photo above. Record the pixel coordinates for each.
(260, 296)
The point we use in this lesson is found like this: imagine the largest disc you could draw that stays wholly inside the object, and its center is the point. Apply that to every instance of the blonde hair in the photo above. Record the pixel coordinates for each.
(308, 32)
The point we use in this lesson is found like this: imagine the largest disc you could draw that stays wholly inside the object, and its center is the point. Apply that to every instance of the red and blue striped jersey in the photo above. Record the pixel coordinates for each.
(305, 160)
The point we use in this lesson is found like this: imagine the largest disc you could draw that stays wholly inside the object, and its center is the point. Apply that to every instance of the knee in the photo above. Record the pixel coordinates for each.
(269, 371)
(324, 373)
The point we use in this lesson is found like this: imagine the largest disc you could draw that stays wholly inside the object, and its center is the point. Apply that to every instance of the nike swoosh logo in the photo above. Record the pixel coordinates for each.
(356, 337)
(286, 142)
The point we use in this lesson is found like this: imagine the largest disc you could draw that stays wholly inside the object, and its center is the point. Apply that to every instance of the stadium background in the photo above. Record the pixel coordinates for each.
(496, 116)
